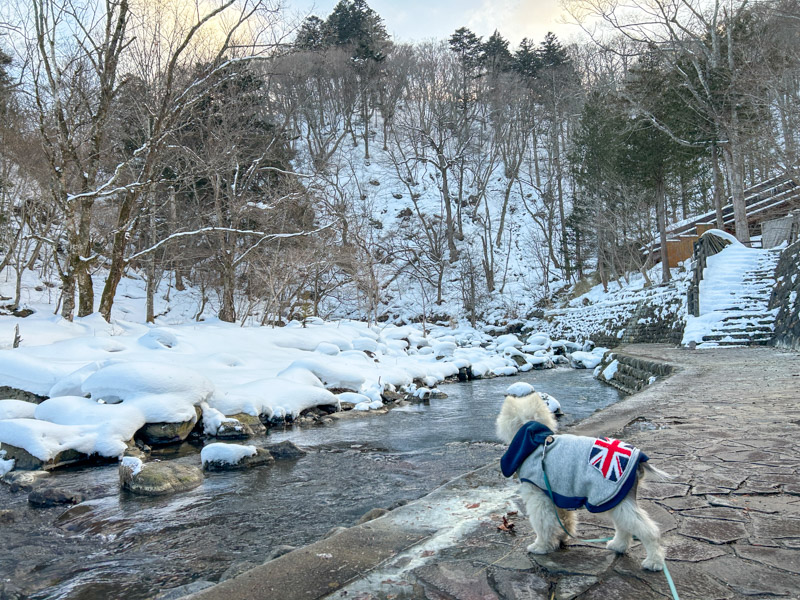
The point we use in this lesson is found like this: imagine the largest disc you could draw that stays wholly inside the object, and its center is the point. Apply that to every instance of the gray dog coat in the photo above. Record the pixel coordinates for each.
(582, 471)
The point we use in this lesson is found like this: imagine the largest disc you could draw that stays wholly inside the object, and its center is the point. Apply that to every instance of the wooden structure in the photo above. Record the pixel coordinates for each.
(769, 200)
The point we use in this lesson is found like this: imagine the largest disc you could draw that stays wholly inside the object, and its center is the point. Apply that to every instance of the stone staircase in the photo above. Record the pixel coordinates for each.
(734, 299)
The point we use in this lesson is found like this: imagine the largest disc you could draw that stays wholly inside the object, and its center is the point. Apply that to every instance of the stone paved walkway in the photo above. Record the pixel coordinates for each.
(726, 425)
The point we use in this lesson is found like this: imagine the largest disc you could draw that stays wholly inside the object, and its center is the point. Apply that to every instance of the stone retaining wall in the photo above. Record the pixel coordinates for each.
(786, 297)
(652, 315)
(630, 374)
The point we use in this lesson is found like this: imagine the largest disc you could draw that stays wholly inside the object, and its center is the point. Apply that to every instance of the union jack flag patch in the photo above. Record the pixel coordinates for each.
(610, 457)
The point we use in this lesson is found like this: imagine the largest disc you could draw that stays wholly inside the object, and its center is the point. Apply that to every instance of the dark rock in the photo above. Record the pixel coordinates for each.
(166, 433)
(7, 517)
(24, 461)
(156, 478)
(47, 497)
(253, 422)
(285, 450)
(372, 514)
(234, 430)
(10, 393)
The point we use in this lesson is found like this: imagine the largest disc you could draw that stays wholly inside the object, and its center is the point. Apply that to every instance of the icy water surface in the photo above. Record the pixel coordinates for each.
(123, 546)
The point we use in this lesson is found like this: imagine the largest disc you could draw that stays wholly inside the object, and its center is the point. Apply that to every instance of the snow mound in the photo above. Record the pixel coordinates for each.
(520, 389)
(16, 409)
(229, 454)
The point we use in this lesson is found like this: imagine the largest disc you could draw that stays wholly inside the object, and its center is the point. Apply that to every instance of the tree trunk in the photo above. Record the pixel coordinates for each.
(117, 257)
(734, 161)
(719, 191)
(451, 244)
(661, 216)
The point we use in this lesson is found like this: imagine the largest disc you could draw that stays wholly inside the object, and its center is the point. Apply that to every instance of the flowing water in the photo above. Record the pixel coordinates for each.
(117, 545)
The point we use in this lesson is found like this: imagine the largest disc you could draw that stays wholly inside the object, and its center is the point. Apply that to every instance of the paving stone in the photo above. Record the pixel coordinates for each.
(689, 550)
(618, 587)
(515, 561)
(721, 513)
(514, 585)
(753, 579)
(713, 531)
(576, 560)
(666, 521)
(786, 560)
(693, 583)
(571, 587)
(775, 528)
(687, 502)
(659, 491)
(458, 580)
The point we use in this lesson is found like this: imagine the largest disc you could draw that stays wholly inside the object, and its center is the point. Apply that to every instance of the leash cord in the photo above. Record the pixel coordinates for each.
(555, 508)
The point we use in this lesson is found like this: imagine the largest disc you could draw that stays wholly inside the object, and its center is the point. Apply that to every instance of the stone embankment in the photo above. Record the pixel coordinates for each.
(786, 298)
(726, 425)
(631, 374)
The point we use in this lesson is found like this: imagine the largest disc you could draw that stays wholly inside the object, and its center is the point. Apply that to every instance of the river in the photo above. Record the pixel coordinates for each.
(116, 545)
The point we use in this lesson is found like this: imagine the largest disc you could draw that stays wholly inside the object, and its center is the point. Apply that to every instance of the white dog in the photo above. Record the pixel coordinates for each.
(600, 474)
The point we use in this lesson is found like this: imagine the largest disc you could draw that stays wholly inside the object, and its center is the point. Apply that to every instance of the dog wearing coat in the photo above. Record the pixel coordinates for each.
(598, 474)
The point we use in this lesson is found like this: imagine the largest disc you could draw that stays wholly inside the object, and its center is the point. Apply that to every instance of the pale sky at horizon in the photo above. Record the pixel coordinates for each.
(418, 20)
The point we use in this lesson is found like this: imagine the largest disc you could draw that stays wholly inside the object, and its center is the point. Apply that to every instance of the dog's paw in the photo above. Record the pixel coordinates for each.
(537, 548)
(618, 546)
(653, 564)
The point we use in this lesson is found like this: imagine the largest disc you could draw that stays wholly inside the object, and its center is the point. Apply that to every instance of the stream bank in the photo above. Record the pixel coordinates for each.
(725, 425)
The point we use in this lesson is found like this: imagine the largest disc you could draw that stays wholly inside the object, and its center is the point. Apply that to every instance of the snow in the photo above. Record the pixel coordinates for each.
(610, 370)
(6, 465)
(731, 297)
(105, 381)
(133, 464)
(229, 454)
(16, 409)
(519, 389)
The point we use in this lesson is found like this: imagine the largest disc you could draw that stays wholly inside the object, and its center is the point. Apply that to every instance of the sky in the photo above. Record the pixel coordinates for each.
(416, 20)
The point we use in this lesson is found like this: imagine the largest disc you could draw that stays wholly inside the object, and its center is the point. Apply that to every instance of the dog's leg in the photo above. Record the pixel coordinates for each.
(630, 520)
(570, 521)
(542, 515)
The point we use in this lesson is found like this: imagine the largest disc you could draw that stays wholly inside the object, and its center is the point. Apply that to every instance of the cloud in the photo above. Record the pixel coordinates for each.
(517, 19)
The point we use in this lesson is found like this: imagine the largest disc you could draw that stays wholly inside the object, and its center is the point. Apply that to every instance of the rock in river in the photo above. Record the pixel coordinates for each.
(157, 478)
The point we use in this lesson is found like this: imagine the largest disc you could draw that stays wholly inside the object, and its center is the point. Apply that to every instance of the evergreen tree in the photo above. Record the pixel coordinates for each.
(467, 47)
(526, 59)
(353, 24)
(495, 54)
(311, 35)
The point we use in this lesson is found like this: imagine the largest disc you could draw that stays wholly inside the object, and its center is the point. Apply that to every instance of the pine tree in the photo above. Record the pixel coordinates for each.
(353, 24)
(495, 54)
(526, 59)
(311, 35)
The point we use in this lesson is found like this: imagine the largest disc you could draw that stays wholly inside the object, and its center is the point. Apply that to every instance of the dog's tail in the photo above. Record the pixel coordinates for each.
(661, 475)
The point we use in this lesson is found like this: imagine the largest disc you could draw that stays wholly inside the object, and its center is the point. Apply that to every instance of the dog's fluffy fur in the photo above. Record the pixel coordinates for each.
(629, 519)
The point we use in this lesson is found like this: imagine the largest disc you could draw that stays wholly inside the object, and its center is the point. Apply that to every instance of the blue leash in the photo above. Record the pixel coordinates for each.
(555, 508)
